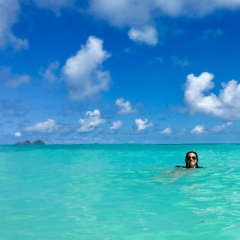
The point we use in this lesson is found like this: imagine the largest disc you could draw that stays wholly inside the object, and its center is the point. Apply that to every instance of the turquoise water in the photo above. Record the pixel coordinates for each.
(120, 192)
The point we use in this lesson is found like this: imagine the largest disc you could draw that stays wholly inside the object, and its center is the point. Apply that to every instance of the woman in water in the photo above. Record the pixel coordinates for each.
(191, 160)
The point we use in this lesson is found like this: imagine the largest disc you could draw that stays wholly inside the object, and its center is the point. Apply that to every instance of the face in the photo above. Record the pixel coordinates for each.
(191, 160)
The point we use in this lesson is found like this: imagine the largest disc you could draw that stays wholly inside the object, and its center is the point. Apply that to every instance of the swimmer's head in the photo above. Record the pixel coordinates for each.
(191, 160)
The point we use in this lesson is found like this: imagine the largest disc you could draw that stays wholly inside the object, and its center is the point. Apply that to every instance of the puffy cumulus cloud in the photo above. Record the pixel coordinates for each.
(50, 126)
(13, 80)
(198, 129)
(82, 72)
(125, 107)
(139, 13)
(222, 127)
(226, 105)
(17, 134)
(166, 131)
(116, 125)
(141, 125)
(147, 35)
(91, 121)
(9, 11)
(54, 5)
(130, 13)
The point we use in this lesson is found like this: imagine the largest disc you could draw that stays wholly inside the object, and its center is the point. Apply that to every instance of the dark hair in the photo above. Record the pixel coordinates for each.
(187, 156)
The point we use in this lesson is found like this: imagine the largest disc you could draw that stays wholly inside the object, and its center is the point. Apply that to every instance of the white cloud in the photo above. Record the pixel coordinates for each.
(91, 121)
(147, 35)
(222, 127)
(13, 80)
(116, 126)
(138, 13)
(198, 129)
(83, 73)
(9, 15)
(9, 11)
(166, 131)
(226, 105)
(50, 126)
(125, 107)
(135, 12)
(18, 134)
(122, 12)
(141, 125)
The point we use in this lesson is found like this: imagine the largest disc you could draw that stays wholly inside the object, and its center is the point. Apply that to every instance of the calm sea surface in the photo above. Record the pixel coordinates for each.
(121, 192)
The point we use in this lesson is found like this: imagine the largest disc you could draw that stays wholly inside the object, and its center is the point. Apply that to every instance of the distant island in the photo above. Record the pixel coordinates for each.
(27, 142)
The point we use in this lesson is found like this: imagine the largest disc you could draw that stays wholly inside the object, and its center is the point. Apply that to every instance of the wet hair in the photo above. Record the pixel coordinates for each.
(186, 161)
(196, 157)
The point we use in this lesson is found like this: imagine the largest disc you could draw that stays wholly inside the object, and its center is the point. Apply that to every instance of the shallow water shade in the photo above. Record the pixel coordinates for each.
(121, 192)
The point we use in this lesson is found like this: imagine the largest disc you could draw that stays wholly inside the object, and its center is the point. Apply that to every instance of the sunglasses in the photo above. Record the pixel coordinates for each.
(193, 158)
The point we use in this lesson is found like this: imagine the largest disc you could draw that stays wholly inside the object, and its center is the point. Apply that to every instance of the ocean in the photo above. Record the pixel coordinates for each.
(120, 192)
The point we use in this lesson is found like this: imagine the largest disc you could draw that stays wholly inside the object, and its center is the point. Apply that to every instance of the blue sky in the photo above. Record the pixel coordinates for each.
(126, 71)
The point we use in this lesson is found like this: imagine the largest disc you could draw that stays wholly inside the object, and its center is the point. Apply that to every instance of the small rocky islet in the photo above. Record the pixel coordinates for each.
(27, 142)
